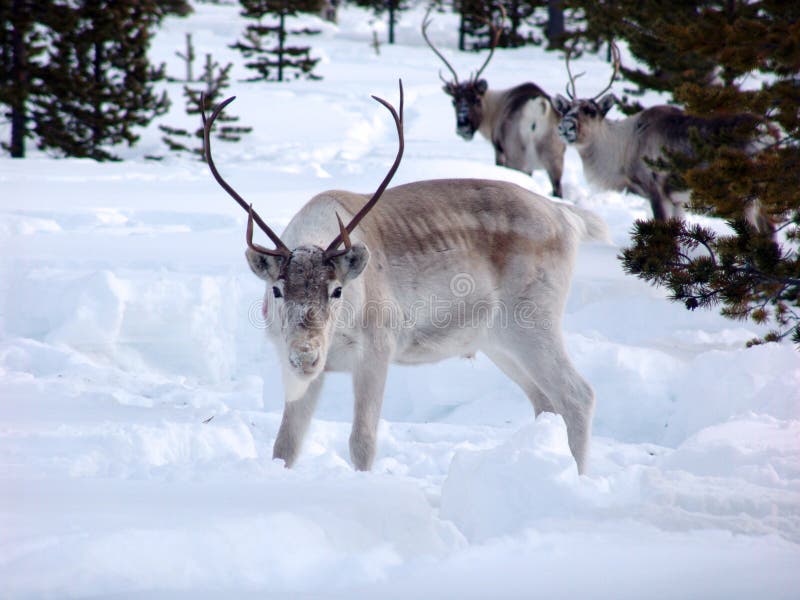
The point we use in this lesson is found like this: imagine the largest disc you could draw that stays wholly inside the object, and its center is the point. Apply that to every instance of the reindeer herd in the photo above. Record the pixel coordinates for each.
(530, 130)
(358, 297)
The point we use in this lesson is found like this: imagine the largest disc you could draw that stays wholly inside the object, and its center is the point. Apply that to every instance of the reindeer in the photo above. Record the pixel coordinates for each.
(519, 122)
(620, 155)
(364, 300)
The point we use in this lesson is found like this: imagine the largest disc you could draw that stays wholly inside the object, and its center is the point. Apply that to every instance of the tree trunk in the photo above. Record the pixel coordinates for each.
(555, 23)
(281, 38)
(392, 5)
(19, 78)
(461, 31)
(97, 129)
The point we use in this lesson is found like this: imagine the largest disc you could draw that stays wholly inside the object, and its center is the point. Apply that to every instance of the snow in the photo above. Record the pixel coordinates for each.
(139, 399)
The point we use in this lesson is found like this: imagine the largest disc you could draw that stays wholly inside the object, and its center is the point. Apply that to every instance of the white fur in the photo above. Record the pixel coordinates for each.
(422, 237)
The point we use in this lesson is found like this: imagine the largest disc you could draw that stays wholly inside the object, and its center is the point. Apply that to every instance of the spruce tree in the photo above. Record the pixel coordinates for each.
(216, 79)
(98, 78)
(642, 23)
(475, 30)
(265, 43)
(752, 274)
(21, 44)
(392, 8)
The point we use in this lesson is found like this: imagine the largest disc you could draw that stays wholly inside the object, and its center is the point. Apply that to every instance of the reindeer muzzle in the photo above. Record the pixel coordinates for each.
(568, 130)
(304, 358)
(465, 131)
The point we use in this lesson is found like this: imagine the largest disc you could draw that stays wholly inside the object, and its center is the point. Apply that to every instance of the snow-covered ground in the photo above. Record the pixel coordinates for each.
(139, 401)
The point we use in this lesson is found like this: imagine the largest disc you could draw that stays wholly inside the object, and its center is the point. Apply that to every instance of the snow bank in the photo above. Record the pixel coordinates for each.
(139, 401)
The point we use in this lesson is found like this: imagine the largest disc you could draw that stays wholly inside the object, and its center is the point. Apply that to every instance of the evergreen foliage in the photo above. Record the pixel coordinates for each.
(642, 24)
(78, 76)
(21, 44)
(265, 44)
(753, 274)
(477, 15)
(216, 79)
(99, 73)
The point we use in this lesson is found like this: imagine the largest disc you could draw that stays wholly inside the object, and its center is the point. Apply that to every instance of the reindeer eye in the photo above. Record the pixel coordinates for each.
(276, 292)
(588, 111)
(337, 293)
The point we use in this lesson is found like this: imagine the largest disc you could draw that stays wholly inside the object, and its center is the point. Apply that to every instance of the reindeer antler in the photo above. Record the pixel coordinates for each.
(344, 234)
(616, 62)
(496, 32)
(281, 248)
(572, 94)
(425, 22)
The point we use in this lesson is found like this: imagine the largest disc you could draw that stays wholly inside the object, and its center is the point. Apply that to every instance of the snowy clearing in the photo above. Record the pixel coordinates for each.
(139, 400)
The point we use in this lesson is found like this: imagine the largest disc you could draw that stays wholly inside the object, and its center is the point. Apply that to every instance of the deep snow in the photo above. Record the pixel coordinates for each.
(139, 401)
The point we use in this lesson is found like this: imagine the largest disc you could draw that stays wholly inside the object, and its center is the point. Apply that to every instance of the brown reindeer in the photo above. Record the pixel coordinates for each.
(519, 122)
(620, 155)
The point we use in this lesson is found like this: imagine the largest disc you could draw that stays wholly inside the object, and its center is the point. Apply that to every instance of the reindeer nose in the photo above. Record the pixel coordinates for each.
(304, 356)
(465, 131)
(568, 130)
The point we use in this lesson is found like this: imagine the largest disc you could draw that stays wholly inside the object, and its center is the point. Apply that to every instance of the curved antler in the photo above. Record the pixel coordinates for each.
(425, 22)
(496, 32)
(344, 234)
(616, 61)
(572, 94)
(281, 248)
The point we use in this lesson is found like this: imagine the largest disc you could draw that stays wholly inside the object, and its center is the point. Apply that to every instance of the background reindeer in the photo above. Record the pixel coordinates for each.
(488, 246)
(619, 155)
(519, 122)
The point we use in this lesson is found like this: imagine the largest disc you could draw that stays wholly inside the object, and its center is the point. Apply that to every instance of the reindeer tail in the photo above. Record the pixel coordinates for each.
(590, 225)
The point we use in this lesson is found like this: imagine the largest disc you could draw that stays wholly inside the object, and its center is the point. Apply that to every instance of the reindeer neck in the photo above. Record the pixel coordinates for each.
(606, 152)
(492, 103)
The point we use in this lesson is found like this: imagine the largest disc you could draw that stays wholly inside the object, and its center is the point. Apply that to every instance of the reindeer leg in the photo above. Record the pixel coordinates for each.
(551, 151)
(659, 201)
(508, 365)
(369, 379)
(301, 400)
(540, 352)
(499, 155)
(554, 170)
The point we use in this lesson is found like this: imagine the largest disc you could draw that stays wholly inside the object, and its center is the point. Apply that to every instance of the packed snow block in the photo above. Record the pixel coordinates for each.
(496, 492)
(80, 310)
(185, 325)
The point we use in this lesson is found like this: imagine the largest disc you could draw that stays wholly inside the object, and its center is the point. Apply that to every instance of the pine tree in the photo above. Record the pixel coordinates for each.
(99, 81)
(752, 274)
(266, 44)
(53, 58)
(21, 43)
(392, 8)
(641, 24)
(188, 58)
(216, 79)
(477, 16)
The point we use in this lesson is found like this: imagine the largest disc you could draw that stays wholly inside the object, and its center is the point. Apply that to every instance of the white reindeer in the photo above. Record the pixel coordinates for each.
(520, 122)
(497, 257)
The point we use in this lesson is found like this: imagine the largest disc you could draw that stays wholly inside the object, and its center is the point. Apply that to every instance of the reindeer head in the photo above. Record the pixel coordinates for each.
(305, 285)
(468, 104)
(467, 96)
(581, 117)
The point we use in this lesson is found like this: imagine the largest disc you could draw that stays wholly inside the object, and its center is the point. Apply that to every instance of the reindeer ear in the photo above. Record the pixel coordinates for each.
(606, 103)
(350, 264)
(265, 266)
(448, 89)
(561, 104)
(481, 86)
